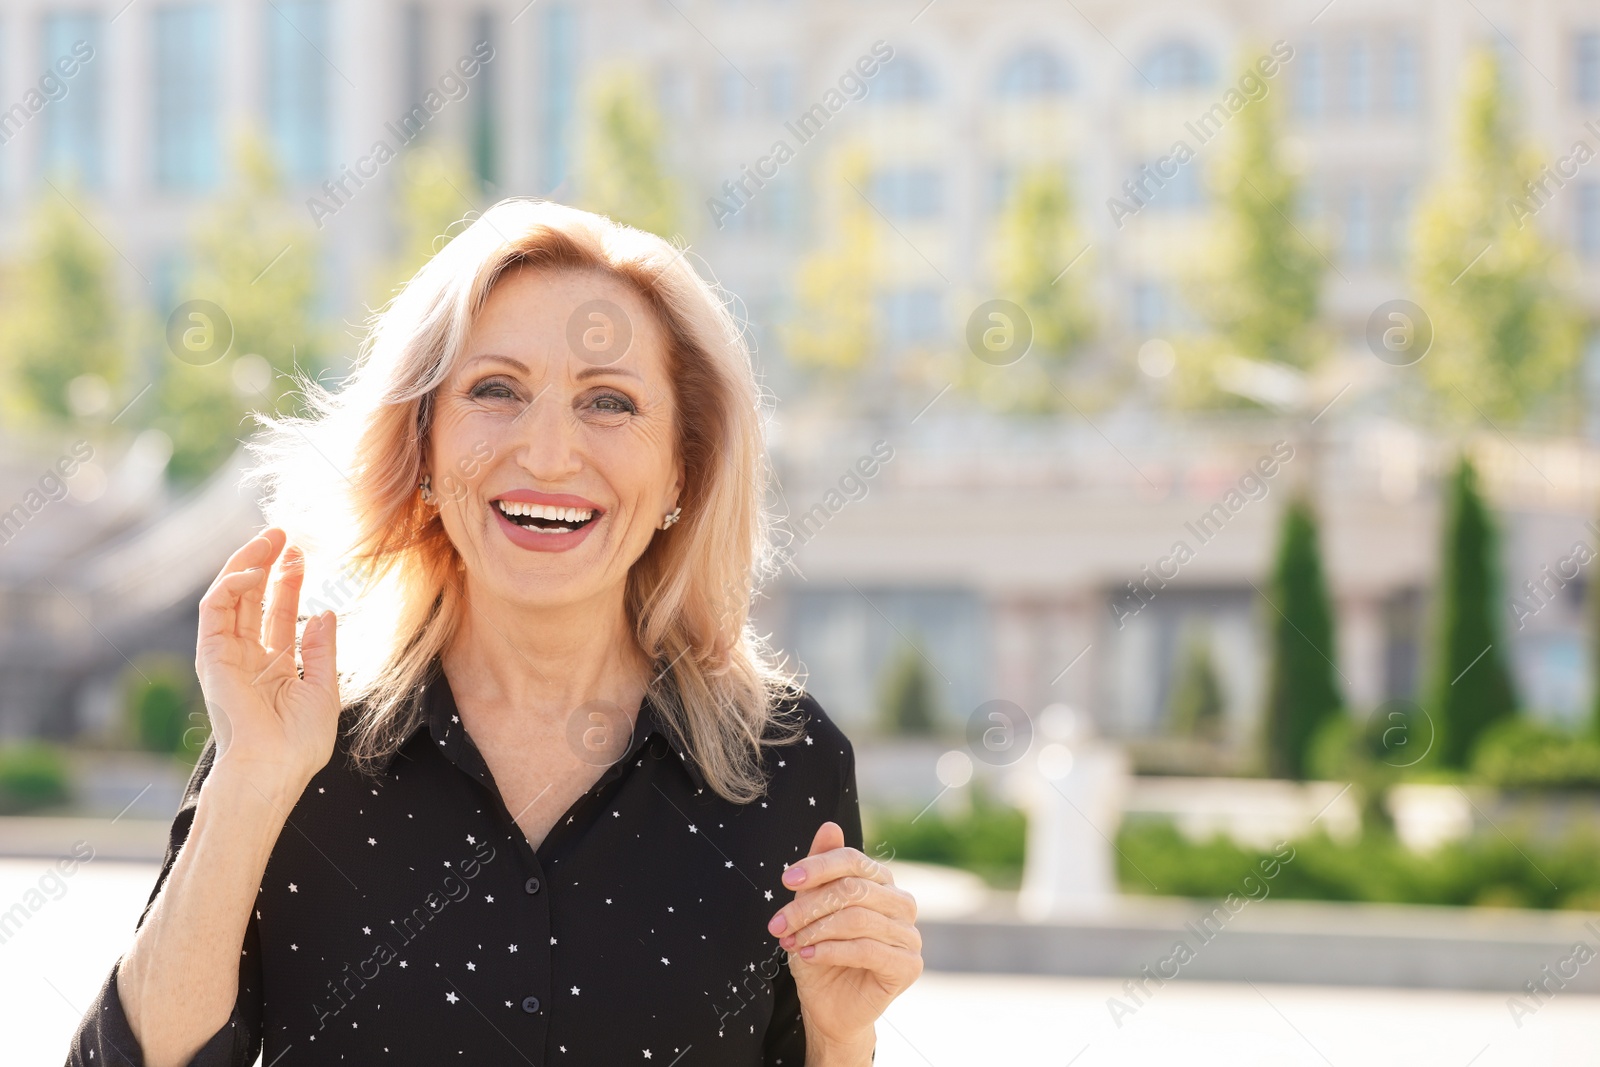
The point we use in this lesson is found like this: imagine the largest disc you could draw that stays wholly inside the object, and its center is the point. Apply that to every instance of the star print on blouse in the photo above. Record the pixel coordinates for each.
(331, 917)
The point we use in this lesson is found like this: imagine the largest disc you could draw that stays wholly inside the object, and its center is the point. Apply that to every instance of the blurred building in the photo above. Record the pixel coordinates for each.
(999, 550)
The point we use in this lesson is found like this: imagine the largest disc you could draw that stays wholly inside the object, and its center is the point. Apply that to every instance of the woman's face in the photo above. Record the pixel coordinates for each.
(553, 451)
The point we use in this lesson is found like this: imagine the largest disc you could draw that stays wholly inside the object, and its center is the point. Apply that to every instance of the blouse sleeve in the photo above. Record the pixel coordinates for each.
(104, 1038)
(786, 1033)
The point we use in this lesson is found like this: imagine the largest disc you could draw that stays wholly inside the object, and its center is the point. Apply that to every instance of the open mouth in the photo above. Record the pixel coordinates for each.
(544, 518)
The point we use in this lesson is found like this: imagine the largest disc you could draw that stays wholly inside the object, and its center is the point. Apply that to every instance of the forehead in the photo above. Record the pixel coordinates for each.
(580, 315)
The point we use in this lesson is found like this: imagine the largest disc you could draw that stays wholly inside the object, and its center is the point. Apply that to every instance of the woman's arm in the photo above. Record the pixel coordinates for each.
(105, 1038)
(273, 728)
(179, 983)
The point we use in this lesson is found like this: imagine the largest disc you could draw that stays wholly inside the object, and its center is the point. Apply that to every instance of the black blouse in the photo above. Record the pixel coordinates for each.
(405, 919)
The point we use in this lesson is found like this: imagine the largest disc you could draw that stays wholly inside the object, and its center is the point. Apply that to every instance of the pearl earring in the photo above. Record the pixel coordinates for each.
(671, 517)
(426, 485)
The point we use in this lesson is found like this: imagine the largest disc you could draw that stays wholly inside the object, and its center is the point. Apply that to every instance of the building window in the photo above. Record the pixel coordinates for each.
(1183, 191)
(734, 95)
(485, 106)
(907, 192)
(188, 152)
(560, 63)
(904, 79)
(1176, 65)
(298, 98)
(1150, 306)
(777, 89)
(912, 316)
(414, 73)
(1355, 226)
(1309, 99)
(1357, 78)
(73, 123)
(1586, 67)
(1404, 76)
(1587, 203)
(1033, 72)
(1393, 225)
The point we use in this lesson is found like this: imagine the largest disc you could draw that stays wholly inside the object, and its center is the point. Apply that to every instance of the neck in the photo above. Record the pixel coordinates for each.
(546, 661)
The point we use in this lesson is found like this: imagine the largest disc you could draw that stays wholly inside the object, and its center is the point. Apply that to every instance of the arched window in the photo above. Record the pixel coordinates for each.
(903, 79)
(1033, 72)
(1176, 64)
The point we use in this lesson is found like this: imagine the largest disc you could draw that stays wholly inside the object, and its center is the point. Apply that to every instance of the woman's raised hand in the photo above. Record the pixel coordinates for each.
(274, 726)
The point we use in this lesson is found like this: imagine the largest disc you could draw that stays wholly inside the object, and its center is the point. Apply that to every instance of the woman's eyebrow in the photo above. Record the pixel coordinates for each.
(495, 356)
(587, 372)
(610, 368)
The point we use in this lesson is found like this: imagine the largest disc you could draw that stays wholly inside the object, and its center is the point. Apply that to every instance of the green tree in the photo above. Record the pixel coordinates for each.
(906, 703)
(1471, 687)
(1195, 706)
(61, 316)
(624, 171)
(834, 328)
(430, 205)
(1302, 693)
(165, 712)
(1259, 285)
(1038, 236)
(1505, 335)
(254, 258)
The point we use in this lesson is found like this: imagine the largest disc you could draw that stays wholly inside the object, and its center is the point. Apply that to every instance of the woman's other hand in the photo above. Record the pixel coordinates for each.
(272, 725)
(853, 944)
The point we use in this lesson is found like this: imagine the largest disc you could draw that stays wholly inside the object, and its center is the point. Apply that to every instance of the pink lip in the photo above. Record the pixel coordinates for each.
(555, 500)
(544, 542)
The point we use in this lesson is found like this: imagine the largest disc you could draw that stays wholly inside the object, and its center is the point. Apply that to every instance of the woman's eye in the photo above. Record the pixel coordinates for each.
(493, 390)
(612, 403)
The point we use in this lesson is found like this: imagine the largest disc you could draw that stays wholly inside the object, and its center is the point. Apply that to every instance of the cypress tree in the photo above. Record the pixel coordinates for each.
(907, 702)
(1471, 686)
(1195, 708)
(1301, 691)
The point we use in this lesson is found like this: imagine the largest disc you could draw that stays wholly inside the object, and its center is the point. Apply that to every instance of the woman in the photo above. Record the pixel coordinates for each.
(554, 803)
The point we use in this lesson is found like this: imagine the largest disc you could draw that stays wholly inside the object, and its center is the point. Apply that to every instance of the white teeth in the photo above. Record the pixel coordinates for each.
(545, 511)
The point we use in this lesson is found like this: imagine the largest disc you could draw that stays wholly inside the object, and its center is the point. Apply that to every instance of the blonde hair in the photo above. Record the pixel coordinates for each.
(343, 481)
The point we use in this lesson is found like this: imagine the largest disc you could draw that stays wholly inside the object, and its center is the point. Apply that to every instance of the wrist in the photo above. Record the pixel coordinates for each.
(856, 1051)
(231, 785)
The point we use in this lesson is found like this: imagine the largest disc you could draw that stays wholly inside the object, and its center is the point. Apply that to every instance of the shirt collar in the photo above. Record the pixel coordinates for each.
(435, 713)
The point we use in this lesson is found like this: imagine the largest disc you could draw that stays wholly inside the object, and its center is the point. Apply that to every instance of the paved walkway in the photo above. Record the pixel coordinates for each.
(53, 964)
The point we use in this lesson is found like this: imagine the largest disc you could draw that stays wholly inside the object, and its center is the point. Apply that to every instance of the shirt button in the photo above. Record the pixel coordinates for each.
(531, 885)
(530, 1005)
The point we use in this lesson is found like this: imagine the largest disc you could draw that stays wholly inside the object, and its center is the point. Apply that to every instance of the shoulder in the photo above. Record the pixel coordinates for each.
(813, 730)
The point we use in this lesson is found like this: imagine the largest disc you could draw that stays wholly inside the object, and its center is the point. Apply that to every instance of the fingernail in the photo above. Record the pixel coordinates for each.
(809, 951)
(779, 923)
(794, 876)
(787, 942)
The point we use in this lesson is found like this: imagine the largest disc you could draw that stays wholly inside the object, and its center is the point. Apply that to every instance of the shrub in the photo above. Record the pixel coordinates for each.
(988, 840)
(164, 705)
(33, 775)
(1489, 869)
(1523, 754)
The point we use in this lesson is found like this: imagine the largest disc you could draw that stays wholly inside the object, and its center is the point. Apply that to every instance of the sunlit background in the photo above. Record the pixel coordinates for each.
(1185, 419)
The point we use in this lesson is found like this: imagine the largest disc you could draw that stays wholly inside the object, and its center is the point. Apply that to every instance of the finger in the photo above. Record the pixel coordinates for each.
(839, 862)
(317, 652)
(829, 836)
(895, 967)
(219, 608)
(853, 922)
(812, 904)
(249, 623)
(259, 551)
(283, 605)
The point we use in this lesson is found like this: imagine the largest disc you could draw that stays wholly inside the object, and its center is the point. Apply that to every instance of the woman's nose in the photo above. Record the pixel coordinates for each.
(547, 429)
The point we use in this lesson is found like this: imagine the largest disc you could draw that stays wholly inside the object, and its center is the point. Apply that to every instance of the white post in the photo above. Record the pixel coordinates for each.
(1072, 790)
